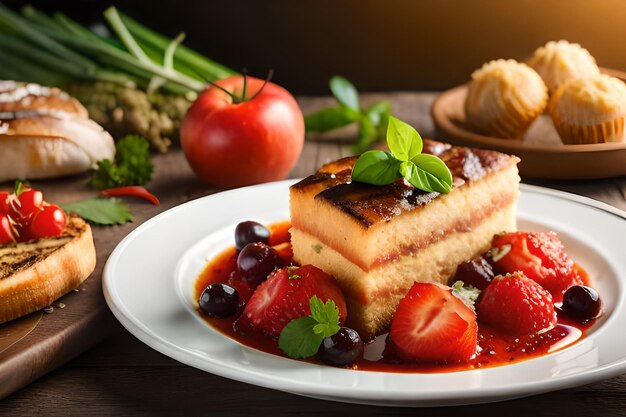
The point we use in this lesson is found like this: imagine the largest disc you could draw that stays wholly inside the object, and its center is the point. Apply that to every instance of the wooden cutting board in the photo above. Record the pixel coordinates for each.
(36, 344)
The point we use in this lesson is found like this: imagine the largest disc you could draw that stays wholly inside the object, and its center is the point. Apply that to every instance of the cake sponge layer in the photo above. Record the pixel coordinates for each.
(373, 295)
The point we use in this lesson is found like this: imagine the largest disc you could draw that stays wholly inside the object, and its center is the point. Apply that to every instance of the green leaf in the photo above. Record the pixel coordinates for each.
(428, 173)
(298, 339)
(367, 136)
(325, 313)
(376, 167)
(330, 118)
(101, 210)
(379, 113)
(345, 92)
(132, 165)
(326, 329)
(403, 140)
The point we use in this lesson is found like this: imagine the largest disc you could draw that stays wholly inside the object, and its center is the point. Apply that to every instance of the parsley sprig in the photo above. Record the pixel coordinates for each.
(132, 165)
(405, 159)
(371, 121)
(302, 337)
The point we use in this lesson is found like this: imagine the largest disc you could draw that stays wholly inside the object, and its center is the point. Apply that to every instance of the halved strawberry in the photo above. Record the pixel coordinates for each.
(540, 256)
(516, 304)
(284, 296)
(433, 325)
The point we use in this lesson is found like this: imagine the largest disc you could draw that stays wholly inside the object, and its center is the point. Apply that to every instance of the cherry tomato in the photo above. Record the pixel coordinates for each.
(30, 202)
(6, 232)
(4, 202)
(49, 221)
(233, 141)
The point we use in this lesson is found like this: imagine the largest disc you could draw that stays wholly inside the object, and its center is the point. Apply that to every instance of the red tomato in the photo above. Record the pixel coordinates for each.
(233, 144)
(4, 202)
(30, 201)
(6, 232)
(49, 221)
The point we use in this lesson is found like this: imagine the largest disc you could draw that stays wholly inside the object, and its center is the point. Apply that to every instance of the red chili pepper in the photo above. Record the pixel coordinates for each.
(133, 191)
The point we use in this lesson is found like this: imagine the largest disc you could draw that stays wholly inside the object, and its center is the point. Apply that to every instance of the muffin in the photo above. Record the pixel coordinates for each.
(558, 62)
(504, 98)
(589, 110)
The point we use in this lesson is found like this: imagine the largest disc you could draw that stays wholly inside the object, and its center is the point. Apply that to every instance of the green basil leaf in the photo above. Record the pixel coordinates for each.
(376, 167)
(345, 92)
(367, 136)
(428, 173)
(101, 210)
(330, 118)
(298, 339)
(403, 140)
(379, 113)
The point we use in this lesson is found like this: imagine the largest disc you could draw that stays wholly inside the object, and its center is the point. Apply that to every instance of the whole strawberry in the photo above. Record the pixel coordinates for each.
(540, 256)
(516, 304)
(285, 296)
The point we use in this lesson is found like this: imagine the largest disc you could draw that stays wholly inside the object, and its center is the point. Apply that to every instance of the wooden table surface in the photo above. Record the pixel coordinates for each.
(123, 377)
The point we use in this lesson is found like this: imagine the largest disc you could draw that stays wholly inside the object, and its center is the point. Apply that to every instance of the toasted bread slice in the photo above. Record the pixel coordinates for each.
(34, 274)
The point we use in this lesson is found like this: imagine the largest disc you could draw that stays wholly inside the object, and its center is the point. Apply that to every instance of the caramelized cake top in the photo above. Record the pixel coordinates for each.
(370, 204)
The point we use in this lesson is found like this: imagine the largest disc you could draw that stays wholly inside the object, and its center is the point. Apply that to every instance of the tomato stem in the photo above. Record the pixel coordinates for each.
(270, 74)
(240, 99)
(245, 85)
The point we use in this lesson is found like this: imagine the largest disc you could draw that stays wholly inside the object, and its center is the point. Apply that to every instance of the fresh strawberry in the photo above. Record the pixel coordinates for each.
(244, 289)
(516, 304)
(433, 325)
(284, 296)
(540, 256)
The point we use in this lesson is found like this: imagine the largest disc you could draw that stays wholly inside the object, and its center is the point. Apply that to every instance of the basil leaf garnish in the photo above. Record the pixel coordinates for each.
(423, 171)
(376, 167)
(429, 173)
(403, 140)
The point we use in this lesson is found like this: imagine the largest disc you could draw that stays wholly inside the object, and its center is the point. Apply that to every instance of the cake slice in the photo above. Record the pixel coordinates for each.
(378, 240)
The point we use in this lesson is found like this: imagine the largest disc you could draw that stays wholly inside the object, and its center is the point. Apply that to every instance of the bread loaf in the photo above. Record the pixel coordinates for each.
(45, 133)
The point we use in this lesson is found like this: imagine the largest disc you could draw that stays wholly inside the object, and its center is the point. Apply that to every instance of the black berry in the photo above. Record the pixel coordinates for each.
(582, 303)
(219, 300)
(342, 348)
(250, 232)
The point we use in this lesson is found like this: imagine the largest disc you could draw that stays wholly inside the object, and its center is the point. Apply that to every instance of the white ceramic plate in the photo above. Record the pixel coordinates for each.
(148, 284)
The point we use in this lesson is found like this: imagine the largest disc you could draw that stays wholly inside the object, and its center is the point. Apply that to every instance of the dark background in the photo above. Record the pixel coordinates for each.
(378, 44)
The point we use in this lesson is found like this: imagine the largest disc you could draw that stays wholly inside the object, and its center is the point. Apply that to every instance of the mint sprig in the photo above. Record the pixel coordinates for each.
(371, 121)
(302, 337)
(423, 171)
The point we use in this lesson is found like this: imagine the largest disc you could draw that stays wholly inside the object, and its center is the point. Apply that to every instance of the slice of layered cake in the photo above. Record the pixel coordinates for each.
(378, 240)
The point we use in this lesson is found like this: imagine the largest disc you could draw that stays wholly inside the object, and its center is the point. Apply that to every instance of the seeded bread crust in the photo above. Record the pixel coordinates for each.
(34, 274)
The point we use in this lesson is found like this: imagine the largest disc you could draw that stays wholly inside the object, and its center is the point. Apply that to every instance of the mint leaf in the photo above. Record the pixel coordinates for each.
(345, 92)
(376, 167)
(325, 313)
(302, 337)
(298, 339)
(330, 118)
(101, 210)
(403, 140)
(326, 329)
(429, 173)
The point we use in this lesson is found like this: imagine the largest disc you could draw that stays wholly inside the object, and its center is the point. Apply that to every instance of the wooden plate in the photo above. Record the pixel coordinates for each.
(542, 153)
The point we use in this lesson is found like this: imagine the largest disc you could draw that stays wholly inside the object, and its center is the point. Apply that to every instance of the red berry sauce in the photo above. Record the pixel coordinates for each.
(495, 348)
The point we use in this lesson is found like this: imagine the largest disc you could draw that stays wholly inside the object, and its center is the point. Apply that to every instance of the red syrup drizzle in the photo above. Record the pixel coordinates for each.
(494, 348)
